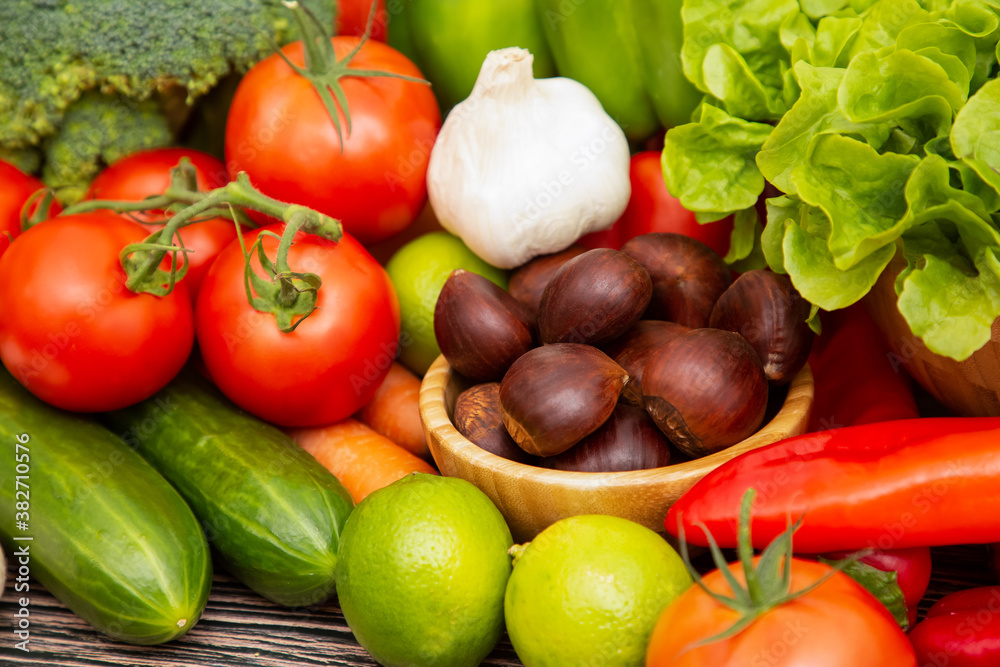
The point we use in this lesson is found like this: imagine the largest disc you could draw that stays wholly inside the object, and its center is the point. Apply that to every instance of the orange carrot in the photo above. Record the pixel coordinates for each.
(360, 458)
(395, 411)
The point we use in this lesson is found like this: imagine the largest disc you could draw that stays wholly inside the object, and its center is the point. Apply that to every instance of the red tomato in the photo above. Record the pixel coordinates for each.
(71, 332)
(331, 364)
(146, 173)
(15, 188)
(352, 17)
(280, 134)
(961, 630)
(913, 572)
(836, 624)
(652, 208)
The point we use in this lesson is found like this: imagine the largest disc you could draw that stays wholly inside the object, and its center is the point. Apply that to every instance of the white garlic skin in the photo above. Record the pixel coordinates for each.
(524, 167)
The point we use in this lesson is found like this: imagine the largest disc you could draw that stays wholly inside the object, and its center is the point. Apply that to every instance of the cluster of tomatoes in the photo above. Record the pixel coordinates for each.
(75, 335)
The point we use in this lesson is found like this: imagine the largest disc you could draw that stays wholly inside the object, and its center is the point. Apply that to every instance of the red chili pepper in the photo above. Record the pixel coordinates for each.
(890, 485)
(857, 378)
(961, 630)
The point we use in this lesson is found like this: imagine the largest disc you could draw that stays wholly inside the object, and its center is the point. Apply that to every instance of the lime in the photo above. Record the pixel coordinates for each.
(418, 271)
(588, 591)
(421, 572)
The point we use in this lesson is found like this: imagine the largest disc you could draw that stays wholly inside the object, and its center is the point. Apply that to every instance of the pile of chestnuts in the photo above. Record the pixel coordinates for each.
(606, 360)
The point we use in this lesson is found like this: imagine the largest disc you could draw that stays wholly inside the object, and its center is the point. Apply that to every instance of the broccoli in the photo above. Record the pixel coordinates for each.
(97, 130)
(56, 50)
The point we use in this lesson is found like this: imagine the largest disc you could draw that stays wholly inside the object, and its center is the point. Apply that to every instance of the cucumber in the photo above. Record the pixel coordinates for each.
(272, 513)
(109, 536)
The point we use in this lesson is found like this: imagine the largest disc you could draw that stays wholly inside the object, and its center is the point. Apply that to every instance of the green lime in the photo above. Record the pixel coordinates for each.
(418, 271)
(422, 570)
(588, 591)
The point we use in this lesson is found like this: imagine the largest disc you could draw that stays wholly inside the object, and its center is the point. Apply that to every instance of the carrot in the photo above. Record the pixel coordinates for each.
(363, 460)
(395, 411)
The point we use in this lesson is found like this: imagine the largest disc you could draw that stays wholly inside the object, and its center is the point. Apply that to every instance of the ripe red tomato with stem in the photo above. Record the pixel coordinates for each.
(776, 610)
(353, 15)
(362, 158)
(71, 332)
(147, 173)
(330, 365)
(651, 208)
(15, 189)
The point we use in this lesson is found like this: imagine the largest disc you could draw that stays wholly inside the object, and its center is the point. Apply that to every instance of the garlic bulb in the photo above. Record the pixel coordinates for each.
(524, 167)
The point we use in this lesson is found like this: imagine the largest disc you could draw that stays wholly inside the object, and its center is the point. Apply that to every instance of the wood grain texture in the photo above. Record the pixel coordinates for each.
(533, 498)
(238, 627)
(970, 388)
(241, 628)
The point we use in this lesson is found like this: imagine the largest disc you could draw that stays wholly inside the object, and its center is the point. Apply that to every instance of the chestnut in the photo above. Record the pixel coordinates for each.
(628, 440)
(555, 395)
(593, 298)
(480, 328)
(688, 277)
(528, 281)
(478, 418)
(766, 309)
(706, 390)
(632, 350)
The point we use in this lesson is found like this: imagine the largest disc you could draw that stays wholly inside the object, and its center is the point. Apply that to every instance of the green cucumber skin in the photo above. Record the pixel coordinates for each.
(111, 538)
(272, 513)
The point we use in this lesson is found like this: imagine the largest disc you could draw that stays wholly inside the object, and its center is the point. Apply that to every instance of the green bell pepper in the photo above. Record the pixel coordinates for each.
(660, 32)
(450, 39)
(628, 53)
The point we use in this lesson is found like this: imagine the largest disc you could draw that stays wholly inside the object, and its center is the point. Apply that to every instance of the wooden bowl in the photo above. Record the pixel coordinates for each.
(533, 498)
(970, 388)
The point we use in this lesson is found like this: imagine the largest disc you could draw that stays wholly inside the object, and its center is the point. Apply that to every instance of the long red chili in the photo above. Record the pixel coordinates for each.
(889, 485)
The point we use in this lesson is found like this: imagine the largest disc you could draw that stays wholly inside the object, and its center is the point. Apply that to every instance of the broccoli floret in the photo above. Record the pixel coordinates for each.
(27, 159)
(55, 50)
(97, 130)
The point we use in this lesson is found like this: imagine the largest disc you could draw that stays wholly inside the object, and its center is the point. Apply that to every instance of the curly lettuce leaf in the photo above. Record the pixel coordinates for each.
(814, 274)
(816, 112)
(860, 190)
(949, 304)
(745, 252)
(882, 23)
(887, 137)
(709, 165)
(950, 47)
(732, 50)
(976, 132)
(914, 93)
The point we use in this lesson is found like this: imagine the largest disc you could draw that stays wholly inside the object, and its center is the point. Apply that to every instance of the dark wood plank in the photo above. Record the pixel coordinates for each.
(241, 628)
(238, 627)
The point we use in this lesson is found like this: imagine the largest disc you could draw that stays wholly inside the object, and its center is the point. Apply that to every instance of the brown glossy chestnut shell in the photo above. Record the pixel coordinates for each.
(628, 440)
(555, 395)
(688, 277)
(766, 309)
(706, 390)
(480, 328)
(632, 350)
(478, 418)
(528, 281)
(593, 298)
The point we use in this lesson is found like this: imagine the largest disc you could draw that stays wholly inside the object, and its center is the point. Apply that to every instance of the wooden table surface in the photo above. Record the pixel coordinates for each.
(241, 628)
